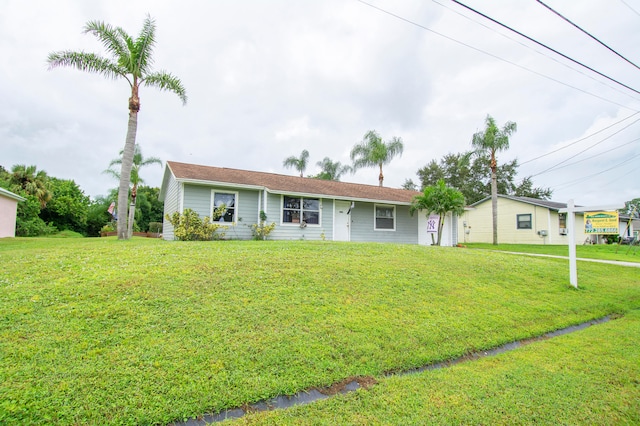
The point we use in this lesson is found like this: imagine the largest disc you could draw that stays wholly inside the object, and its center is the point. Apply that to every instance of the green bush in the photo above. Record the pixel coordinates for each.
(261, 230)
(188, 226)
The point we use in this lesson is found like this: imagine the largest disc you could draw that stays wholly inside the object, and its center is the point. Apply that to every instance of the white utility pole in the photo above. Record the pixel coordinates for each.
(571, 211)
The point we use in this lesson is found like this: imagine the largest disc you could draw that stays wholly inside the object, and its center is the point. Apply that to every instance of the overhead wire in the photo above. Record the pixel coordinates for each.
(595, 155)
(632, 9)
(582, 179)
(564, 64)
(493, 56)
(587, 33)
(585, 150)
(545, 46)
(579, 140)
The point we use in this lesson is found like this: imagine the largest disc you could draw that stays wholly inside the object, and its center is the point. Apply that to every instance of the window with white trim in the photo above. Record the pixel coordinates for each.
(523, 221)
(229, 200)
(296, 210)
(385, 218)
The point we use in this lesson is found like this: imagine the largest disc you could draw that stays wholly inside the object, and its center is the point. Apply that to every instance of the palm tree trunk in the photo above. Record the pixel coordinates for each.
(494, 205)
(380, 176)
(440, 228)
(132, 212)
(125, 174)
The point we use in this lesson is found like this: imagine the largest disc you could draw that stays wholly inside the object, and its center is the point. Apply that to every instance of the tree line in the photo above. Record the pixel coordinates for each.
(53, 205)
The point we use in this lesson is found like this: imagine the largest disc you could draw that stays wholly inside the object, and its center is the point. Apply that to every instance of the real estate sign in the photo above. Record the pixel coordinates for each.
(601, 222)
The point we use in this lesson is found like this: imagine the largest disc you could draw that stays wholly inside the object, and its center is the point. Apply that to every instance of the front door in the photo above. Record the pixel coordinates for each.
(342, 219)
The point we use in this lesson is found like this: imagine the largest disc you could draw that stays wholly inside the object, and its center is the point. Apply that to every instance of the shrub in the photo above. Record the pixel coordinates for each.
(261, 230)
(188, 226)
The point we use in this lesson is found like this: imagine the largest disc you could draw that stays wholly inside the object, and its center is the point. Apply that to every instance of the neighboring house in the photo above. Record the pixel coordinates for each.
(302, 208)
(524, 220)
(8, 210)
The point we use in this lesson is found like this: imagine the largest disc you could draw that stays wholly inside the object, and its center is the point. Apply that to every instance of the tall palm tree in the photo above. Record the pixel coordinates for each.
(299, 163)
(130, 59)
(487, 143)
(32, 182)
(138, 162)
(374, 152)
(331, 170)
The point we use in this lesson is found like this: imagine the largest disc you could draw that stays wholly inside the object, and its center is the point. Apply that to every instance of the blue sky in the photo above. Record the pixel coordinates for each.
(266, 80)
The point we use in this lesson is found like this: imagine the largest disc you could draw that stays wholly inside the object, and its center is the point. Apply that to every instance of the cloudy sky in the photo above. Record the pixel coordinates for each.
(267, 79)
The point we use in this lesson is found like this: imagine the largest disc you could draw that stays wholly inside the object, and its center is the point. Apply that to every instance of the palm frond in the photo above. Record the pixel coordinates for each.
(110, 37)
(89, 62)
(166, 81)
(144, 46)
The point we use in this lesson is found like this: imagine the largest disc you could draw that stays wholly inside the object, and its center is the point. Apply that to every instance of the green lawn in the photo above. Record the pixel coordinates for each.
(100, 331)
(622, 253)
(589, 377)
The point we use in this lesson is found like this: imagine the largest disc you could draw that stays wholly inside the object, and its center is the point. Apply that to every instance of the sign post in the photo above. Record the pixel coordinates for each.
(571, 211)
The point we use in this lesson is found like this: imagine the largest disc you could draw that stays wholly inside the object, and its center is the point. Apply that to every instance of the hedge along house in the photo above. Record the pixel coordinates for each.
(524, 220)
(8, 212)
(301, 208)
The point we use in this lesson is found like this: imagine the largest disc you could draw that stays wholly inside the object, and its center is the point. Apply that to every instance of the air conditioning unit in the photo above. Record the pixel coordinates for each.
(543, 233)
(563, 231)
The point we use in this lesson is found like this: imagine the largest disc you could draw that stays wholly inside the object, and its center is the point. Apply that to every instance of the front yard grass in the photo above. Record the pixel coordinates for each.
(589, 377)
(622, 253)
(101, 331)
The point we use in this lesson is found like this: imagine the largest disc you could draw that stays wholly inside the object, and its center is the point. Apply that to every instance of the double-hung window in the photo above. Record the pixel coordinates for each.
(298, 210)
(229, 199)
(523, 221)
(385, 218)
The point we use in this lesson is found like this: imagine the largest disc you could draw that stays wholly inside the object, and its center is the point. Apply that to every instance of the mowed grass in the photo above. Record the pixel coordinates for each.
(589, 377)
(621, 253)
(99, 331)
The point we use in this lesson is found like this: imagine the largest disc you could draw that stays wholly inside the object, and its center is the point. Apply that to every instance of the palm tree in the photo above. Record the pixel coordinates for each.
(372, 152)
(300, 164)
(131, 59)
(138, 162)
(331, 170)
(439, 199)
(487, 143)
(32, 182)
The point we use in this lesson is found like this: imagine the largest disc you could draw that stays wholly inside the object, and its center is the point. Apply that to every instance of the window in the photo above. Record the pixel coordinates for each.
(524, 221)
(295, 209)
(229, 200)
(562, 223)
(385, 218)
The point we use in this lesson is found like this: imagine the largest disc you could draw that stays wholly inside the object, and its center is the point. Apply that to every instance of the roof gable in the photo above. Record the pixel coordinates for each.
(288, 184)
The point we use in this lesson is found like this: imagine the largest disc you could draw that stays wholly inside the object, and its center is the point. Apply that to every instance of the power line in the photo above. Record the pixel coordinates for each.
(596, 155)
(587, 33)
(528, 46)
(580, 180)
(544, 45)
(492, 55)
(634, 11)
(579, 140)
(584, 150)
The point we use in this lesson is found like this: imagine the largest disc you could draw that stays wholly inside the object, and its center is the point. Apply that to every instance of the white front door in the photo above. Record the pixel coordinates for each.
(341, 220)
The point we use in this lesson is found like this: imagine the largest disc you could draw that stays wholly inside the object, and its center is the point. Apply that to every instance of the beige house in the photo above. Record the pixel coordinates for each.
(521, 220)
(8, 210)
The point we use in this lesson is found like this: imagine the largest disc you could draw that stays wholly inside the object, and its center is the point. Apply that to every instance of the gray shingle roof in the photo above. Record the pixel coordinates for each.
(289, 184)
